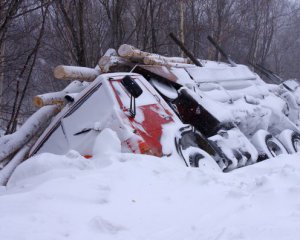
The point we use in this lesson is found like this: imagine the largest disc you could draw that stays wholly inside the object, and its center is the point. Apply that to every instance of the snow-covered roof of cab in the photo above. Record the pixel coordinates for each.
(214, 72)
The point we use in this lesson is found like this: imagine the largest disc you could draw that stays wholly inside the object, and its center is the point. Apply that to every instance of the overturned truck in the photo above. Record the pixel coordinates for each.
(196, 111)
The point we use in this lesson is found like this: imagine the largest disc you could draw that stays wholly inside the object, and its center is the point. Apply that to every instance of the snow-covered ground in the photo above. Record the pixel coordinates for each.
(126, 196)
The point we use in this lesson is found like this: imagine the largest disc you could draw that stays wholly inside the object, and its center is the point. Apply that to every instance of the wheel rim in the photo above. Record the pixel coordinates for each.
(274, 148)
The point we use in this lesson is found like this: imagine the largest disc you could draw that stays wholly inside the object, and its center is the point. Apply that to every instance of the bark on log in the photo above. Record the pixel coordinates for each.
(55, 98)
(13, 142)
(73, 72)
(153, 58)
(58, 97)
(163, 61)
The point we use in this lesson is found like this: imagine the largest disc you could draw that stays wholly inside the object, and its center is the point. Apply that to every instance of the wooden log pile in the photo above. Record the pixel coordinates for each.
(136, 55)
(127, 56)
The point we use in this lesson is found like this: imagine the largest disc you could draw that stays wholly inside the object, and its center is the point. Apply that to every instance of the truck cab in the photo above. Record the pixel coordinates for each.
(129, 105)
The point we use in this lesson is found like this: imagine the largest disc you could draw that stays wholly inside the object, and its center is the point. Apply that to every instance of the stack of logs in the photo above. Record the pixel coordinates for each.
(14, 148)
(112, 61)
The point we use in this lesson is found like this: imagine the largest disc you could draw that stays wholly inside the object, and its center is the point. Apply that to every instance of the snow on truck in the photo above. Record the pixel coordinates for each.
(185, 108)
(131, 107)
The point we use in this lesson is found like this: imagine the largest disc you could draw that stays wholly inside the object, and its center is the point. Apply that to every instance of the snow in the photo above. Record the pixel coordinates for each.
(106, 143)
(143, 197)
(221, 73)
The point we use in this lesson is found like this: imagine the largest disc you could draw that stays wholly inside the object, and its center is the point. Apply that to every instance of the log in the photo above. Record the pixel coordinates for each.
(13, 142)
(107, 62)
(110, 52)
(129, 51)
(72, 72)
(111, 59)
(153, 59)
(58, 97)
(49, 99)
(134, 54)
(6, 172)
(163, 61)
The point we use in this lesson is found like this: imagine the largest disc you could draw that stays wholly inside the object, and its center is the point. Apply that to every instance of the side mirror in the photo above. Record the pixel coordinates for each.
(131, 86)
(135, 91)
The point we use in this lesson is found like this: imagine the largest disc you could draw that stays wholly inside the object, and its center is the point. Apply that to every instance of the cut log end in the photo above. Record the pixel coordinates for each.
(125, 50)
(38, 102)
(59, 72)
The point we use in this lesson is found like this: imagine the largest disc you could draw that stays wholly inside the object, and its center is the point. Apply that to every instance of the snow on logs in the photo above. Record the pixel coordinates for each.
(111, 59)
(59, 97)
(73, 72)
(9, 144)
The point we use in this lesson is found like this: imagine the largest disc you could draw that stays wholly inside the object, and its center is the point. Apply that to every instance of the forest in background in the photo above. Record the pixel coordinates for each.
(38, 35)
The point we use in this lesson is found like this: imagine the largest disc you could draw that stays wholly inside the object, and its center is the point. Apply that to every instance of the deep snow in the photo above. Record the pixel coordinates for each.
(127, 196)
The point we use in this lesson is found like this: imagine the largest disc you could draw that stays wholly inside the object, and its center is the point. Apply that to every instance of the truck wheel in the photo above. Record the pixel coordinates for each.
(194, 159)
(296, 142)
(267, 145)
(200, 159)
(291, 140)
(189, 146)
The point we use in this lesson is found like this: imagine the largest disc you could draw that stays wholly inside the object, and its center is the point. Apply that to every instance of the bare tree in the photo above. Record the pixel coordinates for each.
(29, 64)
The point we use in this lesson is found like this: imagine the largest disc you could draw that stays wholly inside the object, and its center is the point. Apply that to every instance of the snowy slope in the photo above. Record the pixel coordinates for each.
(126, 196)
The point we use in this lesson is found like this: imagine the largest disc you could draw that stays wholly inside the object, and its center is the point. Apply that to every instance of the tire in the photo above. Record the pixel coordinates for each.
(290, 140)
(195, 158)
(296, 142)
(267, 145)
(200, 159)
(191, 153)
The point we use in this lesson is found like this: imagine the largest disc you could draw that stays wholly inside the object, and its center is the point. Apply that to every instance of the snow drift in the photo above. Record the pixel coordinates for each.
(141, 197)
